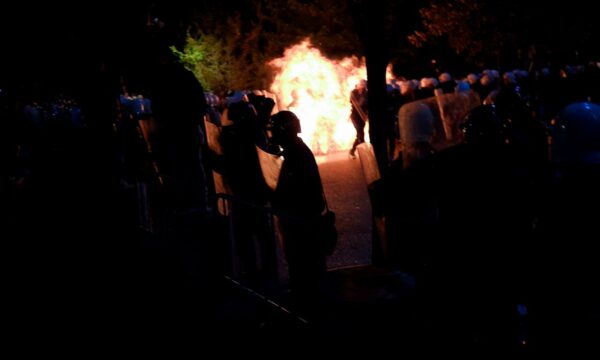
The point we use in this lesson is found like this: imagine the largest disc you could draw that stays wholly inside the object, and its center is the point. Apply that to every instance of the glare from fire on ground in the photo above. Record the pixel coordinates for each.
(317, 90)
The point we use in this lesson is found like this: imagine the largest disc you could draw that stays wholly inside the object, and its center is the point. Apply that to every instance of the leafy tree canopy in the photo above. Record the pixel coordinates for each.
(230, 43)
(506, 33)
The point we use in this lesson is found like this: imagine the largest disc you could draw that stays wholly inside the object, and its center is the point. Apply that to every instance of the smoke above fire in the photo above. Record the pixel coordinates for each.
(317, 90)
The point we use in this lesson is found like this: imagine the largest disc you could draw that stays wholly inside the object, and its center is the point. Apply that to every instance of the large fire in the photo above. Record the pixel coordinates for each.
(318, 89)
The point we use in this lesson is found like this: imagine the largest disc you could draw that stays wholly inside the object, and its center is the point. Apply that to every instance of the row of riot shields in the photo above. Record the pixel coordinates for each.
(252, 247)
(442, 128)
(426, 126)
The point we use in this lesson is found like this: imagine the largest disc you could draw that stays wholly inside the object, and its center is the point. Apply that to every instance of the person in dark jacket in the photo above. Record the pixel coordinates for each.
(359, 115)
(298, 202)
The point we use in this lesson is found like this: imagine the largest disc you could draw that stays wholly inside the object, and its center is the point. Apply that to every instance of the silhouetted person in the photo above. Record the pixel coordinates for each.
(486, 203)
(250, 192)
(454, 219)
(178, 105)
(298, 202)
(359, 115)
(264, 106)
(447, 83)
(566, 307)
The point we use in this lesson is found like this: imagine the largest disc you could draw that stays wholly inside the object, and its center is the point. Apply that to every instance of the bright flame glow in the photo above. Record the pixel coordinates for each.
(317, 90)
(389, 75)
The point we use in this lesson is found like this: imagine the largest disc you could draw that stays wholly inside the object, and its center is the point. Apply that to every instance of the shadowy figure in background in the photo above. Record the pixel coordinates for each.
(264, 106)
(298, 202)
(250, 192)
(359, 115)
(565, 306)
(179, 106)
(455, 221)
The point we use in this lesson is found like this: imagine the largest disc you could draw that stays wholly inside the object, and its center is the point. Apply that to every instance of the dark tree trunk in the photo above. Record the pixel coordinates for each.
(377, 56)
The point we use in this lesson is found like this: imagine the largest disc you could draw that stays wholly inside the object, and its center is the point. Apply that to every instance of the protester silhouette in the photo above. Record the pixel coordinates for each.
(179, 106)
(359, 115)
(298, 202)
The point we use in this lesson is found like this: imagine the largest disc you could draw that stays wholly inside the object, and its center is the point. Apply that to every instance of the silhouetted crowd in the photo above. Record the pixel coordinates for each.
(485, 205)
(489, 201)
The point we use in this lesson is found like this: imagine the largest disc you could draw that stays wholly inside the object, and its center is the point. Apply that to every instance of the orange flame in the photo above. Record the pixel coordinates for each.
(317, 90)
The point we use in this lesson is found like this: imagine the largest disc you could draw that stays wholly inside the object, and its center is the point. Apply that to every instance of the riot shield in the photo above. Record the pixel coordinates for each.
(270, 166)
(416, 131)
(453, 109)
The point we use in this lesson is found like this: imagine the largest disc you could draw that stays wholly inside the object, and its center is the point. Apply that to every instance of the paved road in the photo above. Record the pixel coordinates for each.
(347, 195)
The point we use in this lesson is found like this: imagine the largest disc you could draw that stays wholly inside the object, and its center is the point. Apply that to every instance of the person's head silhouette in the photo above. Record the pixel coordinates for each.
(285, 127)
